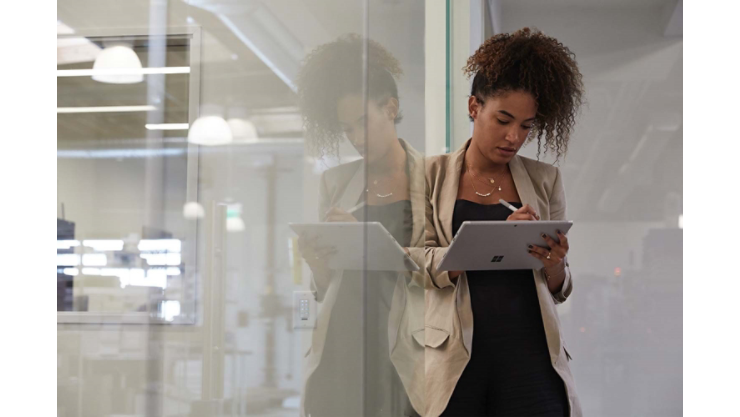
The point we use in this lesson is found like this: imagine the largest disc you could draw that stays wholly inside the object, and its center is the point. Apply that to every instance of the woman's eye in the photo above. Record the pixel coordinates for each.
(502, 122)
(528, 127)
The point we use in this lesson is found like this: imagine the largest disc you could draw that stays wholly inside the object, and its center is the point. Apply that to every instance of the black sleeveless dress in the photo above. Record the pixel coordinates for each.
(356, 376)
(509, 373)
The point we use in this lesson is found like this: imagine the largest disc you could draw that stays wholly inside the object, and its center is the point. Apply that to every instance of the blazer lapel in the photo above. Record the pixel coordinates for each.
(450, 187)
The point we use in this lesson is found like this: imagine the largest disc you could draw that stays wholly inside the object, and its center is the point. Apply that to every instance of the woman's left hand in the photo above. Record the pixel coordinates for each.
(555, 254)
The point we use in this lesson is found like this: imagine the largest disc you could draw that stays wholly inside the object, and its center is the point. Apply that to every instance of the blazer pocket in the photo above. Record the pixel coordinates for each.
(431, 336)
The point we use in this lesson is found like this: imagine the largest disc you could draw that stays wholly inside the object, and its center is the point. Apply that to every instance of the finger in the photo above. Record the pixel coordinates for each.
(528, 209)
(522, 216)
(537, 255)
(555, 256)
(563, 241)
(539, 250)
(550, 241)
(541, 254)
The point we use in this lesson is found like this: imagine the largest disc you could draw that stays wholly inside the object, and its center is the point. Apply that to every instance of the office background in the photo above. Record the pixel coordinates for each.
(176, 267)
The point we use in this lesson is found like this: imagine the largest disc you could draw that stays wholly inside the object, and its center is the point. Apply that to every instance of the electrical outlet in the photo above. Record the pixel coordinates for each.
(304, 310)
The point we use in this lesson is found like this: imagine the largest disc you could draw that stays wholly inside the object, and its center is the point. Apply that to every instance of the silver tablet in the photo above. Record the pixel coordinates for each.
(494, 245)
(359, 246)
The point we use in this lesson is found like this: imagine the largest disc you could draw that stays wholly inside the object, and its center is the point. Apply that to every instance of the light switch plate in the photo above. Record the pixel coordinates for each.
(304, 310)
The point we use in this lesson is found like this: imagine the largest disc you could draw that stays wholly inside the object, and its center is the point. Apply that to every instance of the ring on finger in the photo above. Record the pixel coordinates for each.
(548, 256)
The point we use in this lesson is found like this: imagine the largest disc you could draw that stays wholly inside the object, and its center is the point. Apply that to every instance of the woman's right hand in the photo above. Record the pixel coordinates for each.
(524, 213)
(317, 257)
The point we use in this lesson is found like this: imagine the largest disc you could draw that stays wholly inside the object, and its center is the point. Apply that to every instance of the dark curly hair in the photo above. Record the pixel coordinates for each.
(530, 61)
(333, 71)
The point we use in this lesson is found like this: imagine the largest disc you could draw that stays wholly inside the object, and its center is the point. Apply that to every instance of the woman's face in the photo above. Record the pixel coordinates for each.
(379, 121)
(502, 123)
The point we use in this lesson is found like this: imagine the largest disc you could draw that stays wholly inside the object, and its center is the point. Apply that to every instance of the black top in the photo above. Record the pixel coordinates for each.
(395, 217)
(509, 296)
(509, 372)
(347, 374)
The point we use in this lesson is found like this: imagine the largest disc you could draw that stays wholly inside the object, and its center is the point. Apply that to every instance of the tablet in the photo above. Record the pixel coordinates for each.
(359, 246)
(495, 245)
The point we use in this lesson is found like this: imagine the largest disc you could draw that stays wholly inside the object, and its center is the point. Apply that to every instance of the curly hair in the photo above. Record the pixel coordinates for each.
(335, 70)
(530, 61)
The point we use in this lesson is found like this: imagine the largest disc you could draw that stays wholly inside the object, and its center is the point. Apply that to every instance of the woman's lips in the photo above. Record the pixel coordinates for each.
(507, 151)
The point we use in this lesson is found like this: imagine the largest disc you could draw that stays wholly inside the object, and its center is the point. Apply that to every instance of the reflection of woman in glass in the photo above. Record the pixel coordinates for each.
(494, 343)
(350, 369)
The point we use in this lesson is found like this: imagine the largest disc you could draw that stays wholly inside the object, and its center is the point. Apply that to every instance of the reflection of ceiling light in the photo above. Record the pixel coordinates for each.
(67, 244)
(170, 309)
(105, 109)
(63, 29)
(680, 221)
(234, 224)
(173, 271)
(68, 259)
(210, 131)
(193, 210)
(165, 245)
(166, 126)
(71, 271)
(94, 259)
(104, 245)
(243, 130)
(121, 71)
(117, 57)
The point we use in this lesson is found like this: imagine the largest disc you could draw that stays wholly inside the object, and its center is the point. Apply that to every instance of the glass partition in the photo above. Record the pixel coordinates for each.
(196, 139)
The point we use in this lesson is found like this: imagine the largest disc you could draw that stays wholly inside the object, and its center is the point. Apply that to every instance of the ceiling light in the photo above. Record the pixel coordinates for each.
(193, 210)
(105, 109)
(104, 245)
(121, 71)
(118, 58)
(243, 130)
(210, 131)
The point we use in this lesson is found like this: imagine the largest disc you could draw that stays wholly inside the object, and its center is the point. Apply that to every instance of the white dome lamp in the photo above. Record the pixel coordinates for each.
(193, 210)
(210, 129)
(242, 129)
(114, 58)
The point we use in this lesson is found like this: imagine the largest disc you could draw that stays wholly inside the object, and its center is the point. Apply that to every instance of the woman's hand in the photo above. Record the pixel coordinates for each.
(335, 214)
(524, 213)
(552, 257)
(317, 257)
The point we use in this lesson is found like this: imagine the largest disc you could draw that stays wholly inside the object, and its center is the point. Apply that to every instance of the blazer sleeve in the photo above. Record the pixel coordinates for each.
(558, 212)
(433, 253)
(324, 204)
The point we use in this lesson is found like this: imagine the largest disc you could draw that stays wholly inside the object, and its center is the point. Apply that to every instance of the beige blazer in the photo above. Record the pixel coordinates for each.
(449, 316)
(342, 187)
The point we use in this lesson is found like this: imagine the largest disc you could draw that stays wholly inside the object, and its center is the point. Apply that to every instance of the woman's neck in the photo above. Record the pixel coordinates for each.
(480, 163)
(394, 160)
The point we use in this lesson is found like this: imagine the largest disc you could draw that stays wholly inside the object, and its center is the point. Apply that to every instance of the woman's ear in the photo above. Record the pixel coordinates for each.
(474, 107)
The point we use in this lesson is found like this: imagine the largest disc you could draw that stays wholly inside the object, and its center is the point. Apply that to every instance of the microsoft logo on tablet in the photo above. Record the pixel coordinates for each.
(497, 259)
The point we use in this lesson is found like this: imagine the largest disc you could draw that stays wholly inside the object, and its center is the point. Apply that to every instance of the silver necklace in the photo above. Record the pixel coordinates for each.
(491, 180)
(367, 190)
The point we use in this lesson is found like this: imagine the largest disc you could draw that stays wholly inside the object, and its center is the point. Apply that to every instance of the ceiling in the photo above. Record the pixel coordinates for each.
(625, 162)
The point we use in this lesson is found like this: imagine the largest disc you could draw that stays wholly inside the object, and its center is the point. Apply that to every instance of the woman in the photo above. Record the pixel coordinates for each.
(350, 366)
(493, 341)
